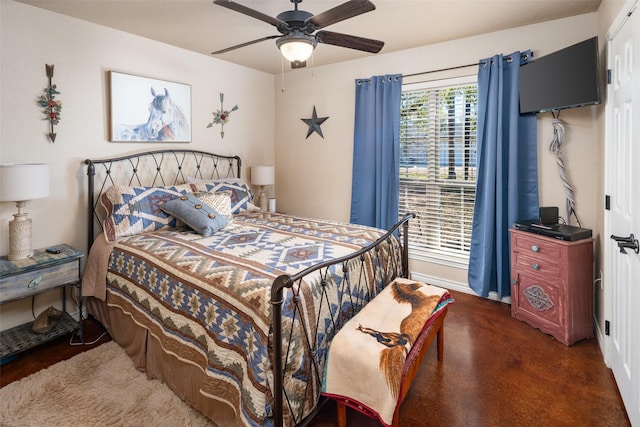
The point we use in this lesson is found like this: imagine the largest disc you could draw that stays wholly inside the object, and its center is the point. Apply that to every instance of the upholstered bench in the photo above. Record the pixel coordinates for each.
(373, 359)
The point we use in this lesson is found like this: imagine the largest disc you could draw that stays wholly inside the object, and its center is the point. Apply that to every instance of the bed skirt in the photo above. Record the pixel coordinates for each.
(148, 356)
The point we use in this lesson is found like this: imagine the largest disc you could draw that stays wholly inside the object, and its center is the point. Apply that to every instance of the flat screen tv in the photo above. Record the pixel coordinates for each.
(566, 78)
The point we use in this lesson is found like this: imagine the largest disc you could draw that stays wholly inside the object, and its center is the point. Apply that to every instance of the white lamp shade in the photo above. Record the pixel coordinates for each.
(296, 50)
(262, 175)
(23, 181)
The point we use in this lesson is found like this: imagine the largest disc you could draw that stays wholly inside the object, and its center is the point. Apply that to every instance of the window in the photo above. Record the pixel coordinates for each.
(438, 167)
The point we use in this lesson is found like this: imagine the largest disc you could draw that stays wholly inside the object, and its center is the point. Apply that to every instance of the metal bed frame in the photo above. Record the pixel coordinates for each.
(172, 167)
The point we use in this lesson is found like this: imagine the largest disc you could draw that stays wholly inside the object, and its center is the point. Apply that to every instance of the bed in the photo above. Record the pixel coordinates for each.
(236, 320)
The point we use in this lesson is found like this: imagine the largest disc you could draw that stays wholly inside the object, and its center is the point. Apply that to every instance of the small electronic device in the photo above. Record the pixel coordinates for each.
(53, 251)
(557, 231)
(548, 215)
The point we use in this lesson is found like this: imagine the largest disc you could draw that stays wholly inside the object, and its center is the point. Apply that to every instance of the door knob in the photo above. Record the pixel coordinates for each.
(629, 242)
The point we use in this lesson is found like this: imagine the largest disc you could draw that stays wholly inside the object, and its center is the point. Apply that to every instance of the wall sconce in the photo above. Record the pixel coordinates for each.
(20, 182)
(262, 176)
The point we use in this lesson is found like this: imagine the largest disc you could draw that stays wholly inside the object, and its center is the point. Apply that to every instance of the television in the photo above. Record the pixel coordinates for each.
(563, 79)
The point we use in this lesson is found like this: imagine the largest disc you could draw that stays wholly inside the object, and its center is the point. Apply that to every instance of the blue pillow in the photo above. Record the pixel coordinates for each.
(196, 214)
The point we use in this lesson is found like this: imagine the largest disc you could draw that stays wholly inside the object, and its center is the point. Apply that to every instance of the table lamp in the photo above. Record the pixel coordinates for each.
(262, 176)
(20, 182)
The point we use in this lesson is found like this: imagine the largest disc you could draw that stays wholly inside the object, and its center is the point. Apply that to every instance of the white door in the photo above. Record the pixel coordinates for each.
(622, 219)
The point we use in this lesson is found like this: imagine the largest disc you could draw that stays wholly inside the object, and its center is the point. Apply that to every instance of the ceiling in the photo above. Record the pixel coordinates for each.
(201, 26)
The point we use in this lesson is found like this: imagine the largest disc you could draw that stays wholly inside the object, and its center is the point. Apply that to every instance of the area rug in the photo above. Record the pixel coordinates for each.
(99, 387)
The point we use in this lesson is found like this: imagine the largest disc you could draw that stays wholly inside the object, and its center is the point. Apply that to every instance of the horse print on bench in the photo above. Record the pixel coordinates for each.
(149, 113)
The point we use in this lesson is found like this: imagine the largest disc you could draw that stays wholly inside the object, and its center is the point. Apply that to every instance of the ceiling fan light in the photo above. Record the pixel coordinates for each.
(295, 48)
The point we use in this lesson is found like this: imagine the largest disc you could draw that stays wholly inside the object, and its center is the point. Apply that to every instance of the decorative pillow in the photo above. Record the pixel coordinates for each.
(241, 194)
(196, 214)
(134, 210)
(220, 201)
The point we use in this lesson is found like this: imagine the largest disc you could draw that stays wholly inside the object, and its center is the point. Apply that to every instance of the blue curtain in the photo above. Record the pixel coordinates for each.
(376, 152)
(507, 182)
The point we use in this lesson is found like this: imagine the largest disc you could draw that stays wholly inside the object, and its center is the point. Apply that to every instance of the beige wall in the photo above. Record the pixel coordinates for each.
(82, 54)
(314, 174)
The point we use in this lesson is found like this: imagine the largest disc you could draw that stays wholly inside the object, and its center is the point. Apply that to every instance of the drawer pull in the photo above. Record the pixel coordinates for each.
(35, 282)
(514, 281)
(535, 266)
(535, 248)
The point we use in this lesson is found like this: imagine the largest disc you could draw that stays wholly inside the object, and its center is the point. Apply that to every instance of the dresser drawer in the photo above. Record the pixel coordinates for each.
(33, 282)
(535, 265)
(537, 247)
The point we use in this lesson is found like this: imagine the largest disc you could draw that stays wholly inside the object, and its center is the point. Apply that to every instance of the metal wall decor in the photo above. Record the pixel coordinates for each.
(314, 123)
(51, 106)
(221, 116)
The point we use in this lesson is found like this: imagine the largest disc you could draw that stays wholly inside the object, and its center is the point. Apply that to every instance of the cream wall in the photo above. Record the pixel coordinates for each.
(82, 54)
(313, 175)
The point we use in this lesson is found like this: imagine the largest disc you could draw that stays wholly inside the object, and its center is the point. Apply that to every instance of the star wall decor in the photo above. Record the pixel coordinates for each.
(314, 123)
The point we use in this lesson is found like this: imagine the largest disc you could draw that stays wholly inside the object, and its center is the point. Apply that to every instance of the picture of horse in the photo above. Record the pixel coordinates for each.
(149, 110)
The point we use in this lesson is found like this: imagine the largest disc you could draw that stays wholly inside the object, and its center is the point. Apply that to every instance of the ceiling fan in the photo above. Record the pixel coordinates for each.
(297, 40)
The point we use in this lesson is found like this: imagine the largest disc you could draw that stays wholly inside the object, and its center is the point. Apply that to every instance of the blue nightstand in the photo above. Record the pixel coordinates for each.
(41, 272)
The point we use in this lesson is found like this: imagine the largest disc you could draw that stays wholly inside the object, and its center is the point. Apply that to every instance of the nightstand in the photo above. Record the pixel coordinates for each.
(552, 285)
(25, 278)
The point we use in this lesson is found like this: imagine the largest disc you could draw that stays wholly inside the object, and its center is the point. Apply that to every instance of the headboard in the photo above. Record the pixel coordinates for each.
(151, 169)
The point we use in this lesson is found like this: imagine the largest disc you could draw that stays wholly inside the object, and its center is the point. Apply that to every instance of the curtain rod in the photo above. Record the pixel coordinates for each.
(360, 81)
(524, 55)
(442, 69)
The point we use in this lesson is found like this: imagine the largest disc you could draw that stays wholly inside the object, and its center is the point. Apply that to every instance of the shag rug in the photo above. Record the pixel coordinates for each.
(99, 387)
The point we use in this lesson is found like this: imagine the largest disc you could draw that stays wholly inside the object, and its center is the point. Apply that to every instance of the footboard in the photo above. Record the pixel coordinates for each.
(386, 268)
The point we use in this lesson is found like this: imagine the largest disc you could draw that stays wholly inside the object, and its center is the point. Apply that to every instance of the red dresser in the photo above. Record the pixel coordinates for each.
(552, 285)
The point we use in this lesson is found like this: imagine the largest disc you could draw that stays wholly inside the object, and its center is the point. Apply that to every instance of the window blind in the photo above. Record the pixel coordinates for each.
(438, 166)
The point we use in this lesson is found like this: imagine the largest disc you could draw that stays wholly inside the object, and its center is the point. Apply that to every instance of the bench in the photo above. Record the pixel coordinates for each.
(373, 359)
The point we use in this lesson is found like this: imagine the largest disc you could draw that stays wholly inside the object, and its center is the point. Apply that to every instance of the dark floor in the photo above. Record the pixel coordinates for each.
(497, 371)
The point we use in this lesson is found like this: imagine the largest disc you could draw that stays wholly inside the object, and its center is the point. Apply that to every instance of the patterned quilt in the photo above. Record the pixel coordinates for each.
(207, 300)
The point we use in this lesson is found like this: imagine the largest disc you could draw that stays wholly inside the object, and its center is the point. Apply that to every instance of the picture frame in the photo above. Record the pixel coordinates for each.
(144, 109)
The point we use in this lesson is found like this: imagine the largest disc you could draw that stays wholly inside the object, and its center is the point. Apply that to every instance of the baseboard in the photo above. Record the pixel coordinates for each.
(75, 312)
(602, 341)
(443, 283)
(455, 286)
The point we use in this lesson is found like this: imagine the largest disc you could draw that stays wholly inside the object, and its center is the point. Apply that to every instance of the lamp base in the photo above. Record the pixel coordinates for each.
(20, 237)
(262, 200)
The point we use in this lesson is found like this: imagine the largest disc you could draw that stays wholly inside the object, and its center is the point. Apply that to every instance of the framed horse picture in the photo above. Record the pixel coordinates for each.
(148, 110)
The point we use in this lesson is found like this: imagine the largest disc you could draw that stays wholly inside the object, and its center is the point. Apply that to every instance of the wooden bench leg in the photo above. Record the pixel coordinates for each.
(342, 414)
(440, 339)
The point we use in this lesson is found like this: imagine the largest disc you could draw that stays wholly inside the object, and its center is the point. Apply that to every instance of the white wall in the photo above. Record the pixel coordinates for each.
(82, 54)
(314, 175)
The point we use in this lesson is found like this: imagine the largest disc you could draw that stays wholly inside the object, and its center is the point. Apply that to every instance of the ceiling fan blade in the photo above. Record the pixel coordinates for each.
(244, 44)
(351, 42)
(341, 12)
(249, 12)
